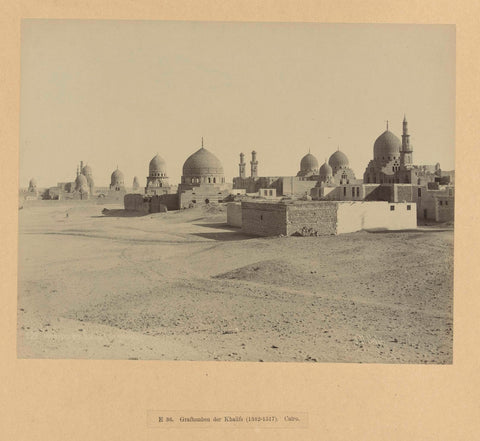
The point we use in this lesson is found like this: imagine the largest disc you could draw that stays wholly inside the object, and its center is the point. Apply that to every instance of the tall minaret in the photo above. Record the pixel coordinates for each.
(406, 155)
(241, 166)
(254, 165)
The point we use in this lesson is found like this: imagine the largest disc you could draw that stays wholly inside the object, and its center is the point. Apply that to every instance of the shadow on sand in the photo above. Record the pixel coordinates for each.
(121, 213)
(413, 230)
(226, 236)
(220, 225)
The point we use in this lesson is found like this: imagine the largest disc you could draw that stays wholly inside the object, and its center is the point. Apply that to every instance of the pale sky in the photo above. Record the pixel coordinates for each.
(118, 92)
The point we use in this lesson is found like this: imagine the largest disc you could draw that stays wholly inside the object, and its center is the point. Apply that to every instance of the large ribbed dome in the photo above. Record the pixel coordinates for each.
(308, 163)
(202, 163)
(386, 145)
(338, 160)
(157, 165)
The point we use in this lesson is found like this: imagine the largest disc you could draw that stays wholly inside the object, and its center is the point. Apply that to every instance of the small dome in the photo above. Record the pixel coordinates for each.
(117, 177)
(326, 170)
(386, 145)
(157, 165)
(338, 160)
(87, 170)
(308, 163)
(201, 163)
(32, 183)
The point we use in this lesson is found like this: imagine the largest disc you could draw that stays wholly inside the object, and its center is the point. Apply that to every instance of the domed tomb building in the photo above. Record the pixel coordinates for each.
(116, 190)
(341, 171)
(117, 181)
(203, 180)
(88, 173)
(392, 161)
(81, 187)
(308, 166)
(31, 193)
(157, 179)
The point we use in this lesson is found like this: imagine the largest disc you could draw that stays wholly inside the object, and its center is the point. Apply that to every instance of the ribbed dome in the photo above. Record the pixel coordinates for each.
(202, 162)
(157, 165)
(308, 163)
(326, 170)
(87, 170)
(117, 177)
(386, 145)
(338, 160)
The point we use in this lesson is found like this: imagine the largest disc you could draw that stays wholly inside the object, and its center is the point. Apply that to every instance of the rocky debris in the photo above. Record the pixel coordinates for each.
(306, 232)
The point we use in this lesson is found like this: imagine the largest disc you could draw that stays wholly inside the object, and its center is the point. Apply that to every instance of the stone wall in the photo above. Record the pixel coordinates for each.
(169, 201)
(445, 209)
(403, 192)
(318, 218)
(264, 219)
(136, 202)
(112, 197)
(234, 214)
(312, 218)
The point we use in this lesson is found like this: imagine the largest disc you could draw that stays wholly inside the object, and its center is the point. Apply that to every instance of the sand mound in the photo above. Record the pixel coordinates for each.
(274, 271)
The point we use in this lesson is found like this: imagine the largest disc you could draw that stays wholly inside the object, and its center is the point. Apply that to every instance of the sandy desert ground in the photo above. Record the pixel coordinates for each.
(185, 286)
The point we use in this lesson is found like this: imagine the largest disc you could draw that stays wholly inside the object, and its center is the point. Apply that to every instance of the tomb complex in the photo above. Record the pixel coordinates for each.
(390, 176)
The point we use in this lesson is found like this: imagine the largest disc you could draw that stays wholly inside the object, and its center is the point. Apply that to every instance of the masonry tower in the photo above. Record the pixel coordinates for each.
(406, 154)
(241, 166)
(254, 165)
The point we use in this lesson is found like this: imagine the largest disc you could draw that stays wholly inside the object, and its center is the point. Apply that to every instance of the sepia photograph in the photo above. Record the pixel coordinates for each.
(236, 191)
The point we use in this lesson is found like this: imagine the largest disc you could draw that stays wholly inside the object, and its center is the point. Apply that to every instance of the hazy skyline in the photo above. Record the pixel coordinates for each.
(118, 92)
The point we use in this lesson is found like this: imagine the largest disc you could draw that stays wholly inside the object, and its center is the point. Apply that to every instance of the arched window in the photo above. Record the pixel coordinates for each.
(214, 180)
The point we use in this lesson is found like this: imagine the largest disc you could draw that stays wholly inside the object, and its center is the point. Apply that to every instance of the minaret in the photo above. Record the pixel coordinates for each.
(241, 166)
(406, 155)
(254, 165)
